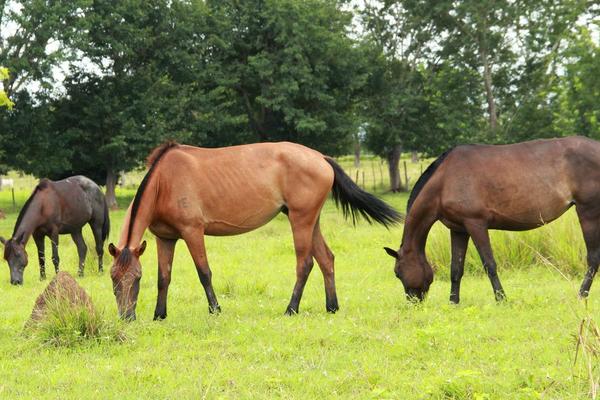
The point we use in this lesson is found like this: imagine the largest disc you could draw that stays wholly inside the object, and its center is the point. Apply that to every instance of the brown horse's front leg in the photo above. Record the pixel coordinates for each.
(459, 242)
(39, 243)
(165, 249)
(593, 259)
(195, 243)
(481, 239)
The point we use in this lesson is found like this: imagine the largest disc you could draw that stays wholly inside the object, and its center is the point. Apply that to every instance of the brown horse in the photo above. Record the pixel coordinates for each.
(55, 208)
(190, 192)
(473, 188)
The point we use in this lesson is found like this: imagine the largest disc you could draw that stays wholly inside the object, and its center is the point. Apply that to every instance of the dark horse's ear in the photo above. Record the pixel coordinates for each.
(113, 250)
(2, 240)
(391, 252)
(140, 250)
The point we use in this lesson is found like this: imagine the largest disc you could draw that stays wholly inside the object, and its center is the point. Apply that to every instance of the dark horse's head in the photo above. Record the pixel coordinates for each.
(126, 273)
(15, 254)
(414, 272)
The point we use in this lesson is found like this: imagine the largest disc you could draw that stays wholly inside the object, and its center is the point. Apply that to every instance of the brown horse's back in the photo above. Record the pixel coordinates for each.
(517, 186)
(237, 189)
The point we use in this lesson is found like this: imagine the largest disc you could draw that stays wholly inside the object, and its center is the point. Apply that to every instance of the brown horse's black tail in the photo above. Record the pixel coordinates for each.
(354, 201)
(105, 222)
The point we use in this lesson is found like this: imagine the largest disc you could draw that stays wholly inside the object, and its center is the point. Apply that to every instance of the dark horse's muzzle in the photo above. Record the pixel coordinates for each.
(17, 281)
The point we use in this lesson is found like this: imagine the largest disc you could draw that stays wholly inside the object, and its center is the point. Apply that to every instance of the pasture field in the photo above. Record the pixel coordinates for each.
(377, 346)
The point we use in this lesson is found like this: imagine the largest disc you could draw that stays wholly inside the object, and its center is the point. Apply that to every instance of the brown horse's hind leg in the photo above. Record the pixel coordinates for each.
(325, 259)
(590, 225)
(81, 250)
(481, 239)
(97, 231)
(459, 242)
(55, 257)
(165, 249)
(195, 243)
(302, 230)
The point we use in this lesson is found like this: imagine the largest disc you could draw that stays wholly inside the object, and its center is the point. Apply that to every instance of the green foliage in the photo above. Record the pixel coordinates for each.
(281, 70)
(4, 100)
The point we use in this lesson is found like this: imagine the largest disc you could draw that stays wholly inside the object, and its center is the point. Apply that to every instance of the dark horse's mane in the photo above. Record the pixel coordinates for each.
(424, 178)
(40, 186)
(151, 162)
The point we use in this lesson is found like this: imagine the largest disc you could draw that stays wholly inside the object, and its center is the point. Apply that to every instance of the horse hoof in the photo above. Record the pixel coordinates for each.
(160, 317)
(214, 310)
(80, 274)
(290, 311)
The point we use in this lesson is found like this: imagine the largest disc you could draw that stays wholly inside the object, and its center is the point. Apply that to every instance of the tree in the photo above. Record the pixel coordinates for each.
(35, 38)
(279, 70)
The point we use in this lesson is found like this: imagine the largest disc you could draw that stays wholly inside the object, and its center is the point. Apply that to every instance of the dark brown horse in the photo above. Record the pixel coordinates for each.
(190, 192)
(56, 208)
(471, 189)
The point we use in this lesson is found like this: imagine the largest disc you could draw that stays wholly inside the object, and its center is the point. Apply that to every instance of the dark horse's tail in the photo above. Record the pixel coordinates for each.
(105, 222)
(354, 201)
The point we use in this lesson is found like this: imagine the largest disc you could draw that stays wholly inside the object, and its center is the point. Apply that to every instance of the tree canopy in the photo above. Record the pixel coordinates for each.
(97, 84)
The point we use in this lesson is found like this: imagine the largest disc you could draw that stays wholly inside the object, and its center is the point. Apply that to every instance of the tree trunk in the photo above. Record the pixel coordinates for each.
(414, 157)
(111, 182)
(357, 155)
(393, 160)
(487, 80)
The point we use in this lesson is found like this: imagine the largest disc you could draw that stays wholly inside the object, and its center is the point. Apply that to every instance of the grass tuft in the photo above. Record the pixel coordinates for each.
(66, 325)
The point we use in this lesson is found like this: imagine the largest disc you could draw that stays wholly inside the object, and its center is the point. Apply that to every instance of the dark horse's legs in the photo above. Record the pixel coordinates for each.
(165, 249)
(325, 259)
(481, 238)
(303, 225)
(590, 225)
(97, 231)
(55, 258)
(195, 243)
(459, 242)
(39, 243)
(81, 250)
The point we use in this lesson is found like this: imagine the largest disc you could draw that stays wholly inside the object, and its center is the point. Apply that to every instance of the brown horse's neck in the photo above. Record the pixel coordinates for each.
(30, 218)
(418, 223)
(132, 237)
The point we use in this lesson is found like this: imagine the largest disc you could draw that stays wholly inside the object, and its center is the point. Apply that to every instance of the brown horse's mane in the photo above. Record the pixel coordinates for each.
(424, 178)
(152, 161)
(40, 186)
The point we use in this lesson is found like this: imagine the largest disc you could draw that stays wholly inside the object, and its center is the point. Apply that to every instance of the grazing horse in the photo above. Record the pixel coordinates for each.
(189, 192)
(55, 208)
(515, 187)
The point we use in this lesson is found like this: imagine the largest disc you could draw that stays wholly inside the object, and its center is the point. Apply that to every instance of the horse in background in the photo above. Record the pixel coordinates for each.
(53, 209)
(514, 187)
(189, 192)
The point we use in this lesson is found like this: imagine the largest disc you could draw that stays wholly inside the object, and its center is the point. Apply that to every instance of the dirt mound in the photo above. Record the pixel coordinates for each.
(62, 290)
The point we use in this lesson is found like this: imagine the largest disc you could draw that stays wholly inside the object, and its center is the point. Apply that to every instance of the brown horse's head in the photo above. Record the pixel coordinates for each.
(414, 272)
(15, 254)
(126, 273)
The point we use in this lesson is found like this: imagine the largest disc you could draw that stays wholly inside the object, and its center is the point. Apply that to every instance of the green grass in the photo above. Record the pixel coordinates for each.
(376, 346)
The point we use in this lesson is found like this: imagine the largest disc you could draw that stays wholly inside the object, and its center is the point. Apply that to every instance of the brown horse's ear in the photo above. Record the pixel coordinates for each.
(140, 250)
(391, 252)
(112, 249)
(2, 240)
